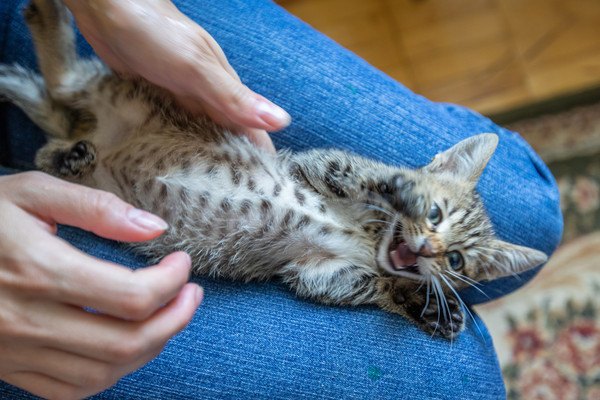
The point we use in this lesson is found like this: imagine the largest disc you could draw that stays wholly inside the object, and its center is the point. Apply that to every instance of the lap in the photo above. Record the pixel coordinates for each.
(244, 335)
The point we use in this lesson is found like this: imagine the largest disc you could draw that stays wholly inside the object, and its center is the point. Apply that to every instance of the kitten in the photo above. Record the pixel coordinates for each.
(335, 227)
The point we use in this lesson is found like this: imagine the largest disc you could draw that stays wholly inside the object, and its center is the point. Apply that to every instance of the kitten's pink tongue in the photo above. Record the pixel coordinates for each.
(402, 257)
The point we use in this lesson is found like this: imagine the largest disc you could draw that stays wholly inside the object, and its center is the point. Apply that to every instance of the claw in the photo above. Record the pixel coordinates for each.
(80, 149)
(457, 317)
(430, 312)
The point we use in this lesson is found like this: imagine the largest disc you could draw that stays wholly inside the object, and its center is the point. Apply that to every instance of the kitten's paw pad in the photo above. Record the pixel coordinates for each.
(447, 322)
(77, 160)
(80, 150)
(444, 328)
(436, 318)
(410, 198)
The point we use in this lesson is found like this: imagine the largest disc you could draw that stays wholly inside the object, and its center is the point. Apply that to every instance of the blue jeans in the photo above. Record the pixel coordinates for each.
(258, 340)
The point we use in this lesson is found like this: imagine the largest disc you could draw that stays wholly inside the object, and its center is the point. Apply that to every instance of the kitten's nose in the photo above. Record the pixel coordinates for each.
(426, 249)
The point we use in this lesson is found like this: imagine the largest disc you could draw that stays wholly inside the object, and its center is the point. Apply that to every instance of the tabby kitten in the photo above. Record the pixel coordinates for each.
(336, 227)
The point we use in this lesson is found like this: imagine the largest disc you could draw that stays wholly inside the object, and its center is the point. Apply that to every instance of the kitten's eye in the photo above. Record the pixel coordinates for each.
(455, 259)
(435, 214)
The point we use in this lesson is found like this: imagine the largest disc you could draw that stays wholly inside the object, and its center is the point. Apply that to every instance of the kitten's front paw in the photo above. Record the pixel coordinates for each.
(434, 316)
(408, 197)
(448, 323)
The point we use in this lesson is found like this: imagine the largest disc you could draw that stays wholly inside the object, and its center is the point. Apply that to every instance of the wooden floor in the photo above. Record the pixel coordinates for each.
(491, 55)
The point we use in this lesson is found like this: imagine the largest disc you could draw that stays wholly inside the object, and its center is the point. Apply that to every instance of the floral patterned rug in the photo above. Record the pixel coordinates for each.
(548, 334)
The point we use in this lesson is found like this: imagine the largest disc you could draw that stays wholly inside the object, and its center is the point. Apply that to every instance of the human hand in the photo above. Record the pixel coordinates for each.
(153, 39)
(51, 346)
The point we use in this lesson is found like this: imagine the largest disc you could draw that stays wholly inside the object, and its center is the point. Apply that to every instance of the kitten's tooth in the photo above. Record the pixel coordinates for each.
(396, 259)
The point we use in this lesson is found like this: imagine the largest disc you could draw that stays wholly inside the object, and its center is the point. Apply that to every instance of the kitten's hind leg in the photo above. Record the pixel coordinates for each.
(54, 40)
(66, 160)
(66, 76)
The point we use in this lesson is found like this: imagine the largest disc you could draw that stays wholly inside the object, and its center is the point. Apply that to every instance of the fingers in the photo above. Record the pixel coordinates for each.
(172, 51)
(218, 87)
(42, 385)
(261, 139)
(115, 290)
(53, 270)
(56, 374)
(103, 213)
(57, 271)
(230, 102)
(257, 136)
(74, 369)
(111, 340)
(67, 367)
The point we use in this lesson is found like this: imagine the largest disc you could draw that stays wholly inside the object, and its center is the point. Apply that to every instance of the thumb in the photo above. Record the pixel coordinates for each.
(230, 102)
(100, 212)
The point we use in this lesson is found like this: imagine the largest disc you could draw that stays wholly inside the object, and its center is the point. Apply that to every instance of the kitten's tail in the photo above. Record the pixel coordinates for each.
(27, 90)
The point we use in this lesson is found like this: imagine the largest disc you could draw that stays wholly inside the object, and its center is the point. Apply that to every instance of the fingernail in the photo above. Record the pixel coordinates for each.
(273, 115)
(188, 260)
(146, 220)
(199, 294)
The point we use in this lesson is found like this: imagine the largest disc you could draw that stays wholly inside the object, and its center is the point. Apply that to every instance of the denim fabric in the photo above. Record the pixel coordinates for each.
(258, 341)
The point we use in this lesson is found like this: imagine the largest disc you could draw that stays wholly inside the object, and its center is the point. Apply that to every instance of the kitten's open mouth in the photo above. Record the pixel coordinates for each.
(395, 256)
(402, 258)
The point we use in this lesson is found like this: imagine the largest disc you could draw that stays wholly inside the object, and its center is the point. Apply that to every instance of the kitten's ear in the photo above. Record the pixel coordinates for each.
(466, 159)
(509, 259)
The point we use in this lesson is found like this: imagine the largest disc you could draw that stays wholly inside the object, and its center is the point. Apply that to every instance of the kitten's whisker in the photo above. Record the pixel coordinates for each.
(458, 274)
(427, 298)
(464, 306)
(414, 277)
(378, 220)
(449, 316)
(444, 304)
(449, 311)
(460, 277)
(437, 299)
(378, 197)
(377, 208)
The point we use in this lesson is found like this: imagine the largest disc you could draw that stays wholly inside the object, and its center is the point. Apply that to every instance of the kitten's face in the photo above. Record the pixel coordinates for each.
(455, 243)
(451, 243)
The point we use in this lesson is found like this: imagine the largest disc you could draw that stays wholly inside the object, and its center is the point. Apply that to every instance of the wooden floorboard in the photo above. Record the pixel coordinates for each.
(491, 55)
